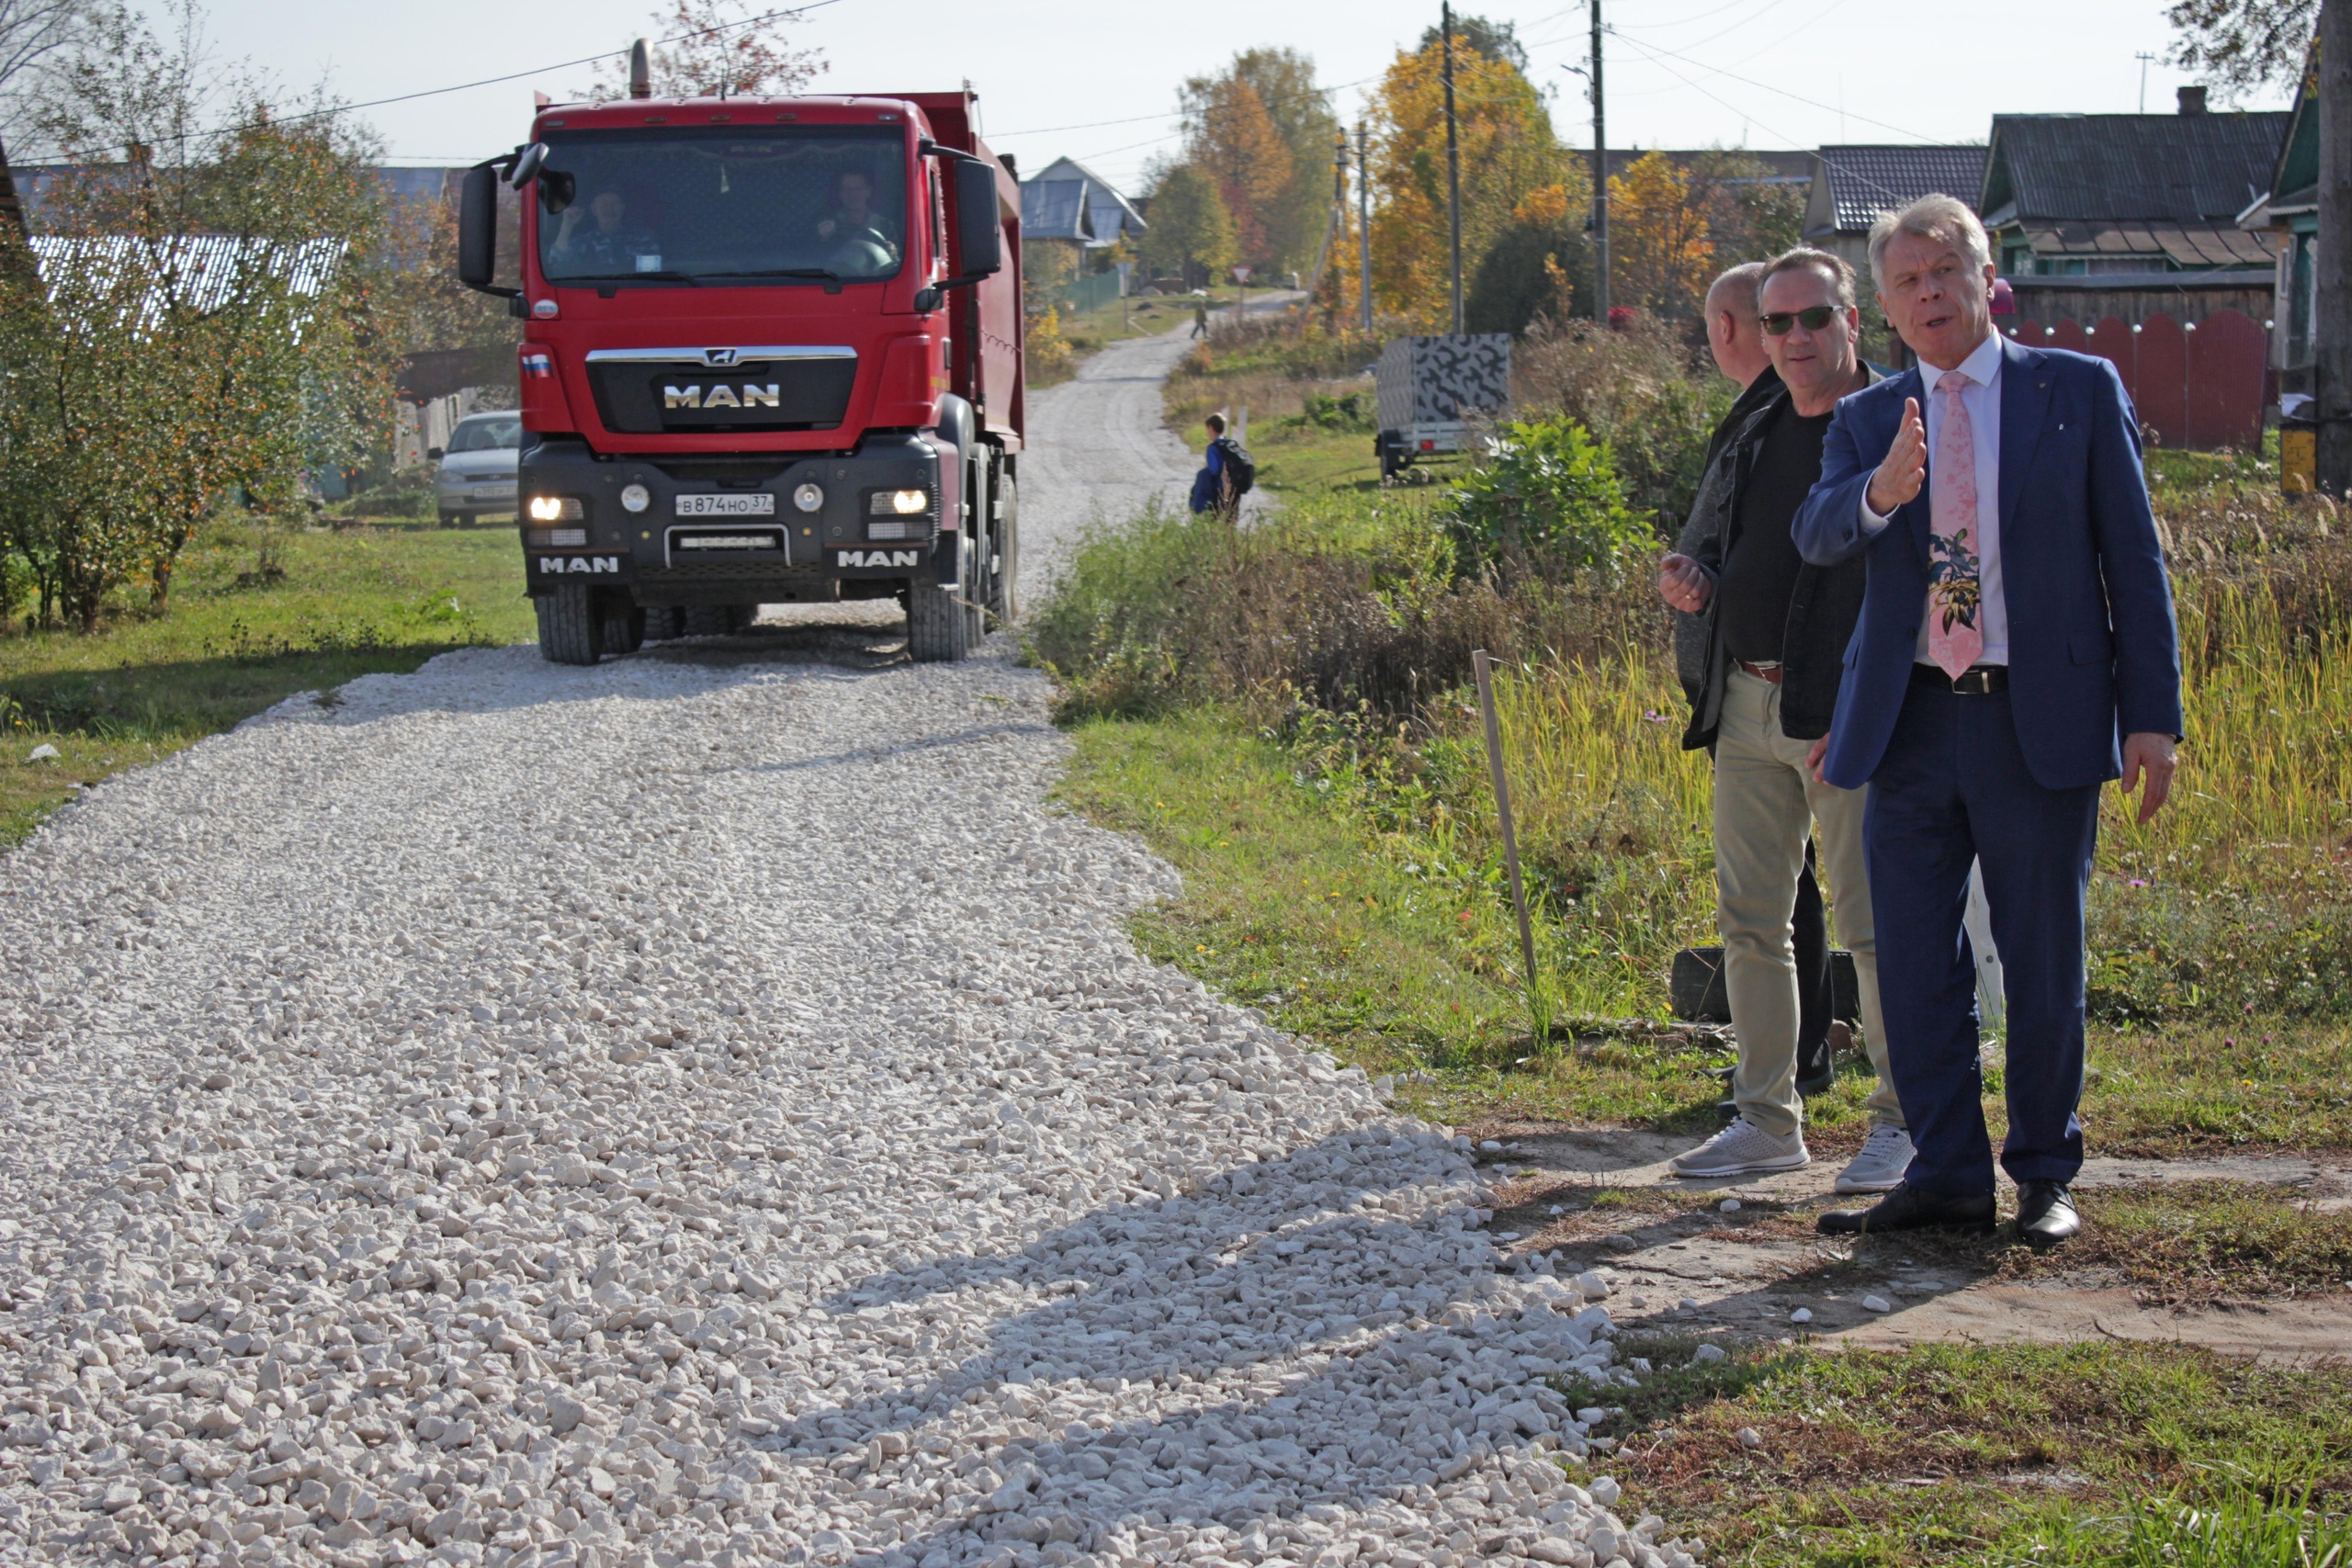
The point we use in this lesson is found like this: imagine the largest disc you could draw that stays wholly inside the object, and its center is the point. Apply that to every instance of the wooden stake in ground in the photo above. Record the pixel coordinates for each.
(1484, 666)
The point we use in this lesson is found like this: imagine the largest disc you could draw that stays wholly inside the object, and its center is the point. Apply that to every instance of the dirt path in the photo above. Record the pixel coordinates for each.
(1603, 1199)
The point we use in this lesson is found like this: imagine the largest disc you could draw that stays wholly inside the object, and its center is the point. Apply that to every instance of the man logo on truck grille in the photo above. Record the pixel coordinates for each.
(880, 557)
(556, 566)
(746, 396)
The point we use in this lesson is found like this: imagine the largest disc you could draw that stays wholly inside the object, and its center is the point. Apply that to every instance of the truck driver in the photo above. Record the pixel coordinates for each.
(854, 217)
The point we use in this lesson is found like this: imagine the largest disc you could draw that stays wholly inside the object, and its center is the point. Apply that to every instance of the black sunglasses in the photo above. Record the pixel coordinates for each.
(1778, 322)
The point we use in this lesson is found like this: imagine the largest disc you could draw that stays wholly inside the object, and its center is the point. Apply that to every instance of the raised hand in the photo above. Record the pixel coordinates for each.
(1905, 469)
(1684, 583)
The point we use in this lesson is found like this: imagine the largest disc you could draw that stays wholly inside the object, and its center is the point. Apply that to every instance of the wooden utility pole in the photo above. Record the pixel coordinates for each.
(1454, 156)
(2332, 303)
(1600, 184)
(1364, 221)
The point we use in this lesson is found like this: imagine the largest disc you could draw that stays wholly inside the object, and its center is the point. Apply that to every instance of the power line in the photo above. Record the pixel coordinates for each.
(1749, 80)
(512, 76)
(1140, 119)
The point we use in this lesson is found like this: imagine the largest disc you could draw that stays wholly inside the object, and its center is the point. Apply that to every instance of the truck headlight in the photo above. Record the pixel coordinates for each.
(898, 502)
(556, 509)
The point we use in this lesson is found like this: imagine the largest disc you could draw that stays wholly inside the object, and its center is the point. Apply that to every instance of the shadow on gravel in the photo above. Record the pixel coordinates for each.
(855, 646)
(1220, 1281)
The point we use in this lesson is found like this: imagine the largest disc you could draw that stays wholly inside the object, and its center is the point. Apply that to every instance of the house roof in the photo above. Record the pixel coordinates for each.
(1056, 209)
(1856, 181)
(1114, 214)
(2187, 169)
(2191, 245)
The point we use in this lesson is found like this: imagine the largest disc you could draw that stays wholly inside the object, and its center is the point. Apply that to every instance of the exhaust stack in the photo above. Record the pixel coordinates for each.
(640, 72)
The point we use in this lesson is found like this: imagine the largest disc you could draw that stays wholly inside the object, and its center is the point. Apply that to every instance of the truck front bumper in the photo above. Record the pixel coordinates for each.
(753, 528)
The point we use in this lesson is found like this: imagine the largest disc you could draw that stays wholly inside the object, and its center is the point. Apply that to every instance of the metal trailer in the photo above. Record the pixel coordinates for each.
(1431, 388)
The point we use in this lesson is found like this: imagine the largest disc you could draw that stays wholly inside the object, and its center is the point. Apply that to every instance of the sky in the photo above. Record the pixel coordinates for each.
(1099, 80)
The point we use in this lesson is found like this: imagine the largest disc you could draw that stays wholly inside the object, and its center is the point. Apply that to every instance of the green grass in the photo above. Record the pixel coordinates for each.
(1404, 960)
(2082, 1454)
(353, 601)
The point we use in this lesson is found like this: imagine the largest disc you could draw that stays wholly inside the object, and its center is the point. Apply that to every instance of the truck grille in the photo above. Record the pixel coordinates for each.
(641, 397)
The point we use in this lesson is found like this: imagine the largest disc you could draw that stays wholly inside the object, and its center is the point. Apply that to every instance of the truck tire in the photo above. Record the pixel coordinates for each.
(707, 620)
(1004, 579)
(663, 622)
(572, 627)
(624, 624)
(938, 630)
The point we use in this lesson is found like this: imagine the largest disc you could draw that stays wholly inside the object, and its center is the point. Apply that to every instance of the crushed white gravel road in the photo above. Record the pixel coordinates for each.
(704, 1109)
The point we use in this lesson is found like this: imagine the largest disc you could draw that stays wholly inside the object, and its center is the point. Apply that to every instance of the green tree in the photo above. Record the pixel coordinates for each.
(1263, 130)
(1494, 41)
(2240, 46)
(203, 322)
(1187, 229)
(1508, 154)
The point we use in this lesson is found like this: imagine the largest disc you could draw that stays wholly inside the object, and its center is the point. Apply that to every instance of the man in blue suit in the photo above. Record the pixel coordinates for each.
(2017, 621)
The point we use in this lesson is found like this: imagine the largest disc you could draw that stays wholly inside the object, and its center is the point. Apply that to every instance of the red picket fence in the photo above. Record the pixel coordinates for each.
(2202, 384)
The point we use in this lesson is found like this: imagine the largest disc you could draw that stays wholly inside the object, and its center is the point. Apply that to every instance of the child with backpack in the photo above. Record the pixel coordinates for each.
(1229, 474)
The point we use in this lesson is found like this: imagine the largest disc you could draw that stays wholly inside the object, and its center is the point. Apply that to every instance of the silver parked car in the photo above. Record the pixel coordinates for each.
(477, 472)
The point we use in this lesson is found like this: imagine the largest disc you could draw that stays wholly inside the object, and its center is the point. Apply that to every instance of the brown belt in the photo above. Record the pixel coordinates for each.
(1761, 671)
(1978, 680)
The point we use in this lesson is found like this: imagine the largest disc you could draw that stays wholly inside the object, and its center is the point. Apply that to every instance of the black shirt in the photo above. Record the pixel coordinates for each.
(1752, 590)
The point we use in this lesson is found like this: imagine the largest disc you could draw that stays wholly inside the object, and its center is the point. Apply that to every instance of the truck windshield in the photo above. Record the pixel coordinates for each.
(783, 205)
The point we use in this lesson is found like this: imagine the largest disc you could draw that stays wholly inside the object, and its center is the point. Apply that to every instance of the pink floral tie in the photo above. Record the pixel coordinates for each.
(1954, 639)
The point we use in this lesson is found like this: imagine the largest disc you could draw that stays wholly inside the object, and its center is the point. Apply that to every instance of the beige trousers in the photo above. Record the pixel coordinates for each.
(1765, 803)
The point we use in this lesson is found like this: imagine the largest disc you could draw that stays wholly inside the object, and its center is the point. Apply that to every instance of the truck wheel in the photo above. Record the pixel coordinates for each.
(707, 620)
(663, 622)
(1004, 579)
(938, 631)
(572, 629)
(741, 616)
(624, 624)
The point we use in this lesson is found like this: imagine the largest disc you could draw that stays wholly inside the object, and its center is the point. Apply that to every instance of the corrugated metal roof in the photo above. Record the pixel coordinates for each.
(1866, 179)
(2187, 168)
(2195, 246)
(1056, 210)
(200, 272)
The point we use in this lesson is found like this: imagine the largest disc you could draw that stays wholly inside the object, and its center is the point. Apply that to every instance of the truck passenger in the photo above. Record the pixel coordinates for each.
(610, 246)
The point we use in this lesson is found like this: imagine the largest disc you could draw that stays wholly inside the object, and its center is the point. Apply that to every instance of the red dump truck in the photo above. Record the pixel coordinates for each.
(773, 354)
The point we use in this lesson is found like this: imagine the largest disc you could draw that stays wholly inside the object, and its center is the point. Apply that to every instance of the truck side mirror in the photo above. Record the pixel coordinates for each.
(477, 229)
(979, 235)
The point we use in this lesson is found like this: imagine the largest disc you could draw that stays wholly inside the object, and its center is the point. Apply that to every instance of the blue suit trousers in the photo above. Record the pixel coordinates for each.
(1952, 787)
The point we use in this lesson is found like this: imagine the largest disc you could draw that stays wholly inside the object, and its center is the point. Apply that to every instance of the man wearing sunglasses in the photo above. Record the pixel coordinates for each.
(1777, 629)
(2016, 626)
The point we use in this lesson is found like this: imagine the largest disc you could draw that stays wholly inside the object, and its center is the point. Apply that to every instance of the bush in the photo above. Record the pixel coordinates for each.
(1049, 356)
(1643, 390)
(1548, 499)
(1350, 412)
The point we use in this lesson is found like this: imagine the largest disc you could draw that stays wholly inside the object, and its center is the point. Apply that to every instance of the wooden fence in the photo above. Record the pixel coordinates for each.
(2201, 385)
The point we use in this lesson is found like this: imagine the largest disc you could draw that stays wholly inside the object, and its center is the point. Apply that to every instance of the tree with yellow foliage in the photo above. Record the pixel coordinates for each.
(1661, 253)
(1263, 130)
(1509, 155)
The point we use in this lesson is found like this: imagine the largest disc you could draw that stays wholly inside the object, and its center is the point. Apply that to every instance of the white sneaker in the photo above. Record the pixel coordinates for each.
(1742, 1149)
(1887, 1155)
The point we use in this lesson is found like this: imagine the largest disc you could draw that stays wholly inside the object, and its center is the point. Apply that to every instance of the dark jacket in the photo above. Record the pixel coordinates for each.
(2092, 646)
(1208, 485)
(1691, 632)
(1822, 608)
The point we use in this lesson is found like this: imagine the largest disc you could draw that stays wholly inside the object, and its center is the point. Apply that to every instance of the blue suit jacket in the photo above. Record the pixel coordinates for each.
(2093, 652)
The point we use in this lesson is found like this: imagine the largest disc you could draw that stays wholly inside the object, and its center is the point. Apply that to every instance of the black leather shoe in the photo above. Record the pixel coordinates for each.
(1908, 1209)
(2046, 1214)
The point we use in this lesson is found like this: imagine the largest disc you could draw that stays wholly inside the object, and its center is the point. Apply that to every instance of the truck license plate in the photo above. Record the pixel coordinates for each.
(727, 505)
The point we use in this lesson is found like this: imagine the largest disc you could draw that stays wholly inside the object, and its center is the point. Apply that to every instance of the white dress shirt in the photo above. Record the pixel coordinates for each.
(1982, 398)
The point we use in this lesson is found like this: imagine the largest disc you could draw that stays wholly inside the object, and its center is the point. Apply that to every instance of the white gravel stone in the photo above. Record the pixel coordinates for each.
(707, 1110)
(1877, 1303)
(1803, 1315)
